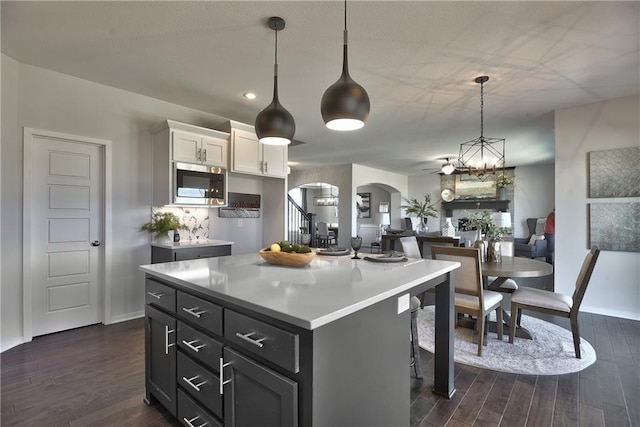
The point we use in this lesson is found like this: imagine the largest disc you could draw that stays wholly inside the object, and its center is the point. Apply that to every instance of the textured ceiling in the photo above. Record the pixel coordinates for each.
(417, 60)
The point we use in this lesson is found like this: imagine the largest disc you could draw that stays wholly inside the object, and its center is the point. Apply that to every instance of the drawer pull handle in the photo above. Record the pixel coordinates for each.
(251, 340)
(195, 348)
(190, 422)
(194, 311)
(166, 339)
(222, 381)
(190, 382)
(156, 295)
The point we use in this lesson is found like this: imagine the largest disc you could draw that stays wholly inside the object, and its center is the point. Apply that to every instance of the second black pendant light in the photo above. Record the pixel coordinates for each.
(345, 104)
(275, 125)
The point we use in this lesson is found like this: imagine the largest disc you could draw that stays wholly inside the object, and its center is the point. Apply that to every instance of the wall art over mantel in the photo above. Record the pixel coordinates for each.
(614, 173)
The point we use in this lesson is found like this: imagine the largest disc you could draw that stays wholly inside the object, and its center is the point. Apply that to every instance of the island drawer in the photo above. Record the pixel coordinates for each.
(200, 312)
(200, 383)
(160, 295)
(272, 343)
(200, 346)
(191, 414)
(203, 252)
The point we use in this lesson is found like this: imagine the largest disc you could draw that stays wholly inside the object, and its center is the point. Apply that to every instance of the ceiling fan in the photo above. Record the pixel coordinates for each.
(447, 168)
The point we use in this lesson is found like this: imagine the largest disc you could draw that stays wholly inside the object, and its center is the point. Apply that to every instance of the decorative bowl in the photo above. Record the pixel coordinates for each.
(287, 259)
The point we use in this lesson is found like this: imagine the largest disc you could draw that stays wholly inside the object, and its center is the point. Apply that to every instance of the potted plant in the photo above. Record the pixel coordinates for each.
(489, 246)
(502, 182)
(161, 224)
(422, 210)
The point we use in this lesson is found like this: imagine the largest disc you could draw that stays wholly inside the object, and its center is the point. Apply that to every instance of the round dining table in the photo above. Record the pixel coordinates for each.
(512, 268)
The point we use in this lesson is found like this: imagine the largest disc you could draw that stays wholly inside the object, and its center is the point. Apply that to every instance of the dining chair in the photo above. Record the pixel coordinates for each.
(410, 249)
(555, 303)
(325, 237)
(470, 297)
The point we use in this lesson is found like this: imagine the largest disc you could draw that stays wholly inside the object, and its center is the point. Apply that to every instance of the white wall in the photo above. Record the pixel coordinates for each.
(615, 285)
(428, 183)
(42, 99)
(533, 195)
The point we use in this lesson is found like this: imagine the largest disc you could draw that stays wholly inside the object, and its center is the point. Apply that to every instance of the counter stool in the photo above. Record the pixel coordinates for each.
(415, 346)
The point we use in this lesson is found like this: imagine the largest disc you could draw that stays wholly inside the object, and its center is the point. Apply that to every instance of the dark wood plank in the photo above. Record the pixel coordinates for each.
(566, 409)
(517, 409)
(543, 402)
(94, 376)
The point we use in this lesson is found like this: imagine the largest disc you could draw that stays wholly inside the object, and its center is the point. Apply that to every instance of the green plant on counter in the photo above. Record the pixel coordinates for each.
(161, 223)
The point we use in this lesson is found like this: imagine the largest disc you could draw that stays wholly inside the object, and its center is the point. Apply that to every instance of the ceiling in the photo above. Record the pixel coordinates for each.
(417, 60)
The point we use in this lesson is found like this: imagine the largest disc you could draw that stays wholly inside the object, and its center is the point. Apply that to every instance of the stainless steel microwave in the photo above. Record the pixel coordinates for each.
(199, 185)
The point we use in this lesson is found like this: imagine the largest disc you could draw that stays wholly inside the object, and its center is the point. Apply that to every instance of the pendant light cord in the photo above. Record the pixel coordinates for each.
(482, 110)
(345, 22)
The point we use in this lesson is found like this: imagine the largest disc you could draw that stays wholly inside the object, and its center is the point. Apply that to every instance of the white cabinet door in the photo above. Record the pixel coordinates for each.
(186, 146)
(247, 153)
(214, 151)
(274, 160)
(193, 148)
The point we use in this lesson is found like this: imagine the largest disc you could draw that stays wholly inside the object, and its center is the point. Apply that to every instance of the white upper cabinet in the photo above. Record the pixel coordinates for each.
(249, 156)
(180, 142)
(197, 148)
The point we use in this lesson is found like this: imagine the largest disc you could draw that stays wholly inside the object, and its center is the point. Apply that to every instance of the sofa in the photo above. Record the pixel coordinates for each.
(534, 245)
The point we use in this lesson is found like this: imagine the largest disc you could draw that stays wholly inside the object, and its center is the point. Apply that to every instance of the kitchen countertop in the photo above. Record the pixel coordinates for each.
(184, 244)
(328, 289)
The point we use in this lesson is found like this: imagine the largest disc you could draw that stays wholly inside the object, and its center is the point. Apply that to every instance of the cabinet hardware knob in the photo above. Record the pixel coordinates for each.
(166, 339)
(195, 348)
(192, 311)
(245, 337)
(157, 295)
(222, 381)
(190, 422)
(190, 382)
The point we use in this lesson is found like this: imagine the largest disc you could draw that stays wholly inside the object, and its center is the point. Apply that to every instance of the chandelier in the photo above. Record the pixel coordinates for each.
(482, 155)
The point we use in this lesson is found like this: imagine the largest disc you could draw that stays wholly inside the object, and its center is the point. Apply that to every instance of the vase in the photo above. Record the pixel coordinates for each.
(494, 252)
(448, 230)
(502, 193)
(482, 245)
(422, 228)
(164, 238)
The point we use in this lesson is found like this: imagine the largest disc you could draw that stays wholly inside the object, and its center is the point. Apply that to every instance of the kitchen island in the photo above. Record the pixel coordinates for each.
(236, 341)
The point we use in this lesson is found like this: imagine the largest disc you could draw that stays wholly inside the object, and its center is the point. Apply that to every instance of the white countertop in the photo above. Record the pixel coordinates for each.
(328, 289)
(185, 244)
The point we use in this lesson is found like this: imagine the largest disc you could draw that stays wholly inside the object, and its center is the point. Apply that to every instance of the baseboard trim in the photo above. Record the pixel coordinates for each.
(125, 317)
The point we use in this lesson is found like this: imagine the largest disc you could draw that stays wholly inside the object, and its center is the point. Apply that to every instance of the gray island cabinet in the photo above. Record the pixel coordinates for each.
(235, 341)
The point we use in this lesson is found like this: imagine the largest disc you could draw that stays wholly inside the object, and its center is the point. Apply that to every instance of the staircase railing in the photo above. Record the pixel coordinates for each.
(301, 227)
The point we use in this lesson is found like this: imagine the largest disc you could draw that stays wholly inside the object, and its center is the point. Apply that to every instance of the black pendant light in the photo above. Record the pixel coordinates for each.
(345, 104)
(275, 125)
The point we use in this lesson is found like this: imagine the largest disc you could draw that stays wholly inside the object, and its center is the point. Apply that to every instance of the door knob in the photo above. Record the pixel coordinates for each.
(95, 243)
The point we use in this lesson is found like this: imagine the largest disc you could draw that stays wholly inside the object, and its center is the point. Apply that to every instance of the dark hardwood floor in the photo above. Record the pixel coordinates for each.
(94, 376)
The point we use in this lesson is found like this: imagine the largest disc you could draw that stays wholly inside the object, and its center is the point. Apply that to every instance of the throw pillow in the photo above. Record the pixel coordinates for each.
(534, 237)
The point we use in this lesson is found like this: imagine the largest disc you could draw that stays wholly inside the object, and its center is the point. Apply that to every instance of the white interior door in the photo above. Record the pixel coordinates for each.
(66, 182)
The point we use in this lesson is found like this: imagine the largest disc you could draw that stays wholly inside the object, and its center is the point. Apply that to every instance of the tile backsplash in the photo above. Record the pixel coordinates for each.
(196, 220)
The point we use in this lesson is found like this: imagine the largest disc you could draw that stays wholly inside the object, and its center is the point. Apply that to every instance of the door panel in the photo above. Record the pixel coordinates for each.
(66, 215)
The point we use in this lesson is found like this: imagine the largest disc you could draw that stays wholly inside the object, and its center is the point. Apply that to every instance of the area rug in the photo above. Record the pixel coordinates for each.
(550, 352)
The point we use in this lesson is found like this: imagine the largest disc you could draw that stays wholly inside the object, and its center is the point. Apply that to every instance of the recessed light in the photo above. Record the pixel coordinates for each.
(249, 95)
